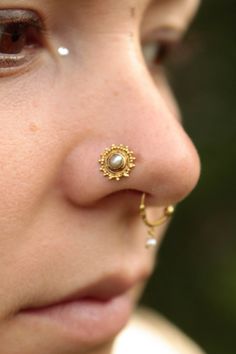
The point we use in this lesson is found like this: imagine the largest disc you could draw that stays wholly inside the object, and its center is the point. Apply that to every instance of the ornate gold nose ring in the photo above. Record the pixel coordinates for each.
(116, 162)
(168, 212)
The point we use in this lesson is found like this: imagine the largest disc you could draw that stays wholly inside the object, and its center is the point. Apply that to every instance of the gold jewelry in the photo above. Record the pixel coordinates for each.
(168, 212)
(116, 162)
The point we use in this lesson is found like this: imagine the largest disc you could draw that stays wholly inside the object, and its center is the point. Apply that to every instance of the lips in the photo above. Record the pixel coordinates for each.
(87, 316)
(102, 290)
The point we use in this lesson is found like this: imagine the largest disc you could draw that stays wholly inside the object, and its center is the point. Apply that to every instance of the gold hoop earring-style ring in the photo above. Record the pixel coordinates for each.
(168, 212)
(116, 162)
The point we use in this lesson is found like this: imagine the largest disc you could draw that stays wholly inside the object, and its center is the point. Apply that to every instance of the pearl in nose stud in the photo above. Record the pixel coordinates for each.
(116, 162)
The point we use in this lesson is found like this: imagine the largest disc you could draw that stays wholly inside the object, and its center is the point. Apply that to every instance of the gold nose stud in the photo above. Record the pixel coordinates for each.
(168, 212)
(116, 162)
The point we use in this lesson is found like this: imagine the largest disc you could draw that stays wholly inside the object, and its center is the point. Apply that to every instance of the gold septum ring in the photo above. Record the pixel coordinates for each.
(152, 225)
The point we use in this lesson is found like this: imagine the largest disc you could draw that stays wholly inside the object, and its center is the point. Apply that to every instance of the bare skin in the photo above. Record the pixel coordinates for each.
(63, 225)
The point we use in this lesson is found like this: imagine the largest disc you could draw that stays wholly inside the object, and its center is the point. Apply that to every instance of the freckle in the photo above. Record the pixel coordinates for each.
(33, 127)
(132, 12)
(115, 93)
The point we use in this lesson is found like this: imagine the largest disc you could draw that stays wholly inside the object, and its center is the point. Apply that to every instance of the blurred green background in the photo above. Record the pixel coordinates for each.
(194, 284)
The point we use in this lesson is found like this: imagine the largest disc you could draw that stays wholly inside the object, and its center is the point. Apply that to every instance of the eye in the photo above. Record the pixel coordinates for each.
(156, 53)
(20, 36)
(14, 37)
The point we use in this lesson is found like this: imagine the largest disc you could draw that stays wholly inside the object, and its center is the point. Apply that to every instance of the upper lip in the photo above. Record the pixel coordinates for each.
(102, 290)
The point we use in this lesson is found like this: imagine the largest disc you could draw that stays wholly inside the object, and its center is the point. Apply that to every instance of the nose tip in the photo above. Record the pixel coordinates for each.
(167, 163)
(167, 170)
(166, 174)
(175, 174)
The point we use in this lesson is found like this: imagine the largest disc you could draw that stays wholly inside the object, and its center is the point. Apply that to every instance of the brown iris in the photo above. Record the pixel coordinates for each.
(21, 31)
(14, 37)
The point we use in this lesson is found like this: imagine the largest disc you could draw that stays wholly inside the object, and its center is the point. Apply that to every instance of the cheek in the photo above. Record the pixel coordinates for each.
(34, 138)
(21, 182)
(28, 146)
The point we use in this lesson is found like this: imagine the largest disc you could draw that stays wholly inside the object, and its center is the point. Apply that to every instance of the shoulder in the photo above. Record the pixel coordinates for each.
(151, 333)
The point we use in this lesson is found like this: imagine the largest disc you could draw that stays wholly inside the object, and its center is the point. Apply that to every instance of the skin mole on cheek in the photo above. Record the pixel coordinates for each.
(115, 93)
(33, 127)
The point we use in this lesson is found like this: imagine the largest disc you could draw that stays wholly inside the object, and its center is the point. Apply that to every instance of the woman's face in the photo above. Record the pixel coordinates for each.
(65, 229)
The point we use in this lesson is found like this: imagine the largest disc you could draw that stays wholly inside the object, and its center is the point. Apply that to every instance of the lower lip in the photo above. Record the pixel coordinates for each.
(86, 321)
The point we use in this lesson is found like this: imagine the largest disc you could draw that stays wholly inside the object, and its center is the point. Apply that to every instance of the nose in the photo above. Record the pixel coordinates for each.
(129, 109)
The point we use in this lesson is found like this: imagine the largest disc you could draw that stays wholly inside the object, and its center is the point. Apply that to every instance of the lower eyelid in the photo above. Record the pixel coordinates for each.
(13, 64)
(9, 60)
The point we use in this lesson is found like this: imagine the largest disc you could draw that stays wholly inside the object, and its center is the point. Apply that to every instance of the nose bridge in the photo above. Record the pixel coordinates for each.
(131, 103)
(138, 113)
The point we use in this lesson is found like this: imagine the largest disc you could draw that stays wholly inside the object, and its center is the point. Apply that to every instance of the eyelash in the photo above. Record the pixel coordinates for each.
(20, 35)
(156, 53)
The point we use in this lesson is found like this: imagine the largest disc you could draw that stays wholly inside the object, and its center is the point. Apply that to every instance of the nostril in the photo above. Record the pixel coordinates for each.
(125, 195)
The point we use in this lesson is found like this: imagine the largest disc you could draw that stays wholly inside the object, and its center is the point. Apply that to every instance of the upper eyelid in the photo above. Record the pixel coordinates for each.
(20, 15)
(27, 15)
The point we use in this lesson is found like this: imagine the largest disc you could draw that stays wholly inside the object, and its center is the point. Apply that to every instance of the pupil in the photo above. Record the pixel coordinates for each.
(16, 33)
(12, 38)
